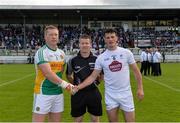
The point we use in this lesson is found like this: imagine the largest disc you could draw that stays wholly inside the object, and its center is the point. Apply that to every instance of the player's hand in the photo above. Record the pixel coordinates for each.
(69, 88)
(75, 89)
(72, 89)
(140, 94)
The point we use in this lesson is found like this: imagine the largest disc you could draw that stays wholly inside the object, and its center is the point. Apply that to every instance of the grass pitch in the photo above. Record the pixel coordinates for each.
(161, 102)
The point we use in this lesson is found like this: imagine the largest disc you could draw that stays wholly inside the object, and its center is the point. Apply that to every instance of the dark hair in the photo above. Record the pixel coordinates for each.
(85, 36)
(49, 27)
(110, 31)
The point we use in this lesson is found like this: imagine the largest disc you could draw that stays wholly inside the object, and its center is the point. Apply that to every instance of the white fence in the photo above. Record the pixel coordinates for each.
(168, 58)
(23, 59)
(13, 59)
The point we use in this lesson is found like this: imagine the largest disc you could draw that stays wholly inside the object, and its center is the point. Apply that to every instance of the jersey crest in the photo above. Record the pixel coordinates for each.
(115, 66)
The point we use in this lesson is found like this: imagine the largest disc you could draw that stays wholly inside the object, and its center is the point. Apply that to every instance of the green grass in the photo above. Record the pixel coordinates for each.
(161, 102)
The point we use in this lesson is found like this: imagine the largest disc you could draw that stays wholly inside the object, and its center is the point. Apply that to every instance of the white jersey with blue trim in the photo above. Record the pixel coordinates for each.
(115, 65)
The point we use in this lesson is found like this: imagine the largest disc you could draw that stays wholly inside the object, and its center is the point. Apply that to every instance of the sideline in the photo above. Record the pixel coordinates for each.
(162, 84)
(10, 82)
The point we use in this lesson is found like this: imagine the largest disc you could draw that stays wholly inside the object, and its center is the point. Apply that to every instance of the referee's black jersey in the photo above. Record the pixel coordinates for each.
(81, 69)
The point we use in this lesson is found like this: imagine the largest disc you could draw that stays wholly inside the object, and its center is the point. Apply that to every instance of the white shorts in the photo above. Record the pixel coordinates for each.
(43, 104)
(123, 100)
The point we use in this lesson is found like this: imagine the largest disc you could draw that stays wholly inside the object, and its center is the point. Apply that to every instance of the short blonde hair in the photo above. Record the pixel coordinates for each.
(49, 27)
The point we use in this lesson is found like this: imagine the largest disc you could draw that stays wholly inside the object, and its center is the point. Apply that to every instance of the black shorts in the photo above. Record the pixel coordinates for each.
(86, 100)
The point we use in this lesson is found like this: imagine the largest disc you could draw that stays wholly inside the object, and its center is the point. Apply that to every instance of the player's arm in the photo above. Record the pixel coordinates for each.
(138, 76)
(51, 76)
(89, 80)
(69, 72)
(99, 78)
(70, 78)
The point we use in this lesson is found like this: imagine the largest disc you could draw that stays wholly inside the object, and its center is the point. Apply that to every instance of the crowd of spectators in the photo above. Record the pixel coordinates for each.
(161, 38)
(12, 36)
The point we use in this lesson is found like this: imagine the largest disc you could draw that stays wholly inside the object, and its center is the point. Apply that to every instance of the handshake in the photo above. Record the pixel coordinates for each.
(69, 87)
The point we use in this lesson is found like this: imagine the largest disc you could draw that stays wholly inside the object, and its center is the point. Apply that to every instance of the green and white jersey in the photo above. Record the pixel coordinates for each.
(56, 60)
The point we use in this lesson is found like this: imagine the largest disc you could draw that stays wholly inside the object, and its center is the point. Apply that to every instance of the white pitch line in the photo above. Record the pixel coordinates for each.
(9, 82)
(162, 84)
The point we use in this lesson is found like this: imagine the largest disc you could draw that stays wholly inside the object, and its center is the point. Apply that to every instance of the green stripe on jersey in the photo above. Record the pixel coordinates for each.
(49, 88)
(40, 54)
(42, 62)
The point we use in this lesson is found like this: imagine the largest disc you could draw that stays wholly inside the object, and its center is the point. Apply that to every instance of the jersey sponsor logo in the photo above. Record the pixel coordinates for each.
(115, 66)
(55, 65)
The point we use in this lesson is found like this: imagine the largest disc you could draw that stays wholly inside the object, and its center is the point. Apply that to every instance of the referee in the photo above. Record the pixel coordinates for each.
(78, 69)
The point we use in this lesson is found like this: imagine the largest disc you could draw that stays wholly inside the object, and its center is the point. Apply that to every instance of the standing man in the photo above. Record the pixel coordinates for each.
(163, 56)
(78, 69)
(150, 59)
(157, 57)
(49, 64)
(144, 60)
(115, 63)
